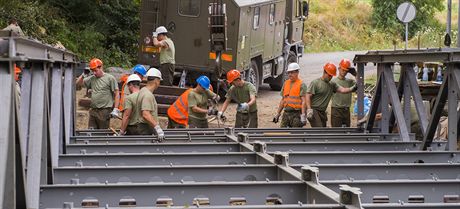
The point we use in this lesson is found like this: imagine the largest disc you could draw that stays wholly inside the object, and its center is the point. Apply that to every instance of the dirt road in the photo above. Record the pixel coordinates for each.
(267, 100)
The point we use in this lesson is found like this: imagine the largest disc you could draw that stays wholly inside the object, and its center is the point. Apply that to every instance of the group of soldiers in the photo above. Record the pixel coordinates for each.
(139, 109)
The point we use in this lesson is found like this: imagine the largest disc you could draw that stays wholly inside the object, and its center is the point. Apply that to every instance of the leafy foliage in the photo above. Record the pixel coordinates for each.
(384, 16)
(107, 29)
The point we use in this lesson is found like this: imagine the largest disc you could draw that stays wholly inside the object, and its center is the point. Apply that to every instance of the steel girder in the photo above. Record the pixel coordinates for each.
(400, 171)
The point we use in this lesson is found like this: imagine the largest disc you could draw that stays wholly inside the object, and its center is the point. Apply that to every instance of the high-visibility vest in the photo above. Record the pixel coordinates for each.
(178, 111)
(291, 94)
(123, 80)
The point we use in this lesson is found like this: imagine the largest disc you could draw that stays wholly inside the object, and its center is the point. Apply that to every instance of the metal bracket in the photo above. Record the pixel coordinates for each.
(243, 137)
(310, 174)
(281, 158)
(260, 147)
(350, 196)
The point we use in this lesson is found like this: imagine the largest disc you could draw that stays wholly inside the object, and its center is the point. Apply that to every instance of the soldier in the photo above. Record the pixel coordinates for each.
(198, 103)
(138, 70)
(104, 95)
(167, 54)
(130, 114)
(147, 106)
(293, 101)
(340, 105)
(14, 27)
(319, 94)
(178, 111)
(243, 93)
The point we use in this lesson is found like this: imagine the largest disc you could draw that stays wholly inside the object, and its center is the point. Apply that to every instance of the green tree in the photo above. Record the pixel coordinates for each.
(384, 16)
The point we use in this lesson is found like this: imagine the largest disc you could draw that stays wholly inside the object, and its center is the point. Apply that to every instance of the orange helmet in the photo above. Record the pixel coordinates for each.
(17, 71)
(94, 63)
(232, 75)
(345, 64)
(330, 69)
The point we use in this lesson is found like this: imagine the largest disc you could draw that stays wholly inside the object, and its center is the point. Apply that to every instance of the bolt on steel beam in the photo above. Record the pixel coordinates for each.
(417, 171)
(152, 148)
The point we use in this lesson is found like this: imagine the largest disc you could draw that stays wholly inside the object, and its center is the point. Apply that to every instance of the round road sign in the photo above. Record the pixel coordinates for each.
(406, 12)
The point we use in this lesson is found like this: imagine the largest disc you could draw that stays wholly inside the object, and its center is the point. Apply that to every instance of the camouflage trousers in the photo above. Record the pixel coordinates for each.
(291, 119)
(246, 120)
(340, 116)
(319, 119)
(197, 123)
(174, 124)
(167, 72)
(99, 118)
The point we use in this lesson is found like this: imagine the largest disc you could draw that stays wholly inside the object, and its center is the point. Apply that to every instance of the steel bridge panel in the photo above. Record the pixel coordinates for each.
(387, 171)
(157, 159)
(350, 146)
(373, 157)
(181, 194)
(284, 206)
(152, 148)
(145, 174)
(399, 191)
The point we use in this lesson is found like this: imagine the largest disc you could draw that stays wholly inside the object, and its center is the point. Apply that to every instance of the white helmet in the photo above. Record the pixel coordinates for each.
(133, 77)
(161, 30)
(153, 72)
(292, 67)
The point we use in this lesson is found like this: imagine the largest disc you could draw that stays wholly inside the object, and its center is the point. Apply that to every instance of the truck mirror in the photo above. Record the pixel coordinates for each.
(306, 8)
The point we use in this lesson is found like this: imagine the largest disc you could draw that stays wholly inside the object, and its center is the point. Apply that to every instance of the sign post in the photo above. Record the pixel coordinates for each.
(406, 13)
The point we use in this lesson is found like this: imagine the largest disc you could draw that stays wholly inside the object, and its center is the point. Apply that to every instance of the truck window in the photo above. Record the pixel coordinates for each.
(272, 14)
(256, 17)
(298, 8)
(190, 8)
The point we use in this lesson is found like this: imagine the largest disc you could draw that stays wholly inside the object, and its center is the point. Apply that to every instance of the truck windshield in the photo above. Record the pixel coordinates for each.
(189, 8)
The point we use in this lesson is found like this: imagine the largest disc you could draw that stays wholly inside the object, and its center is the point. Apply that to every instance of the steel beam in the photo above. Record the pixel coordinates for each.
(372, 157)
(429, 191)
(158, 159)
(68, 101)
(400, 171)
(152, 148)
(56, 114)
(350, 146)
(410, 56)
(167, 174)
(264, 206)
(454, 92)
(182, 194)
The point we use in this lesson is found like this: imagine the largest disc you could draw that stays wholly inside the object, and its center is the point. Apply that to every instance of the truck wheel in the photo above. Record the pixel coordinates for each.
(252, 74)
(277, 83)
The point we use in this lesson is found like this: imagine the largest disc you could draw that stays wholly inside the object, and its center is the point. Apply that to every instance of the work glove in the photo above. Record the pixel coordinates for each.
(220, 115)
(212, 111)
(216, 98)
(154, 34)
(352, 71)
(354, 88)
(160, 133)
(303, 119)
(276, 118)
(115, 113)
(242, 107)
(309, 114)
(122, 133)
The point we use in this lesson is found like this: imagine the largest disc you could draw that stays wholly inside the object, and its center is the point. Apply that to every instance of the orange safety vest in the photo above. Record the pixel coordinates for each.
(291, 96)
(123, 80)
(178, 111)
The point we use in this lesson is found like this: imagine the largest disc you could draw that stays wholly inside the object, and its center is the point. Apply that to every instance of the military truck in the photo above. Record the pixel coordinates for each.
(258, 37)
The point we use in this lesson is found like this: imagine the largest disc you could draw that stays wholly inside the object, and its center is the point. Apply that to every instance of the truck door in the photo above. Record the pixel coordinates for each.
(269, 32)
(295, 27)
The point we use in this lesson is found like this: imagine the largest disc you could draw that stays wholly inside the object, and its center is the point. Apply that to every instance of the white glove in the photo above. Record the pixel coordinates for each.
(220, 114)
(217, 98)
(303, 119)
(115, 113)
(243, 107)
(160, 133)
(122, 133)
(309, 113)
(154, 34)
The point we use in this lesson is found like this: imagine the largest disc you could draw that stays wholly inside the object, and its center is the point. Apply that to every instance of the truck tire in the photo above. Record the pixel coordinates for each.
(252, 74)
(277, 83)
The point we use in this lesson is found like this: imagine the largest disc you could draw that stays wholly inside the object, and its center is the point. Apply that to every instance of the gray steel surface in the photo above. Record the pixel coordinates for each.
(157, 159)
(370, 157)
(152, 148)
(349, 146)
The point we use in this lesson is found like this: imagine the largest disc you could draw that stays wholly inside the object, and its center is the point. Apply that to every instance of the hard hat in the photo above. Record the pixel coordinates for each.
(292, 67)
(94, 63)
(330, 69)
(232, 75)
(133, 77)
(17, 71)
(161, 30)
(345, 64)
(153, 72)
(203, 81)
(139, 69)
